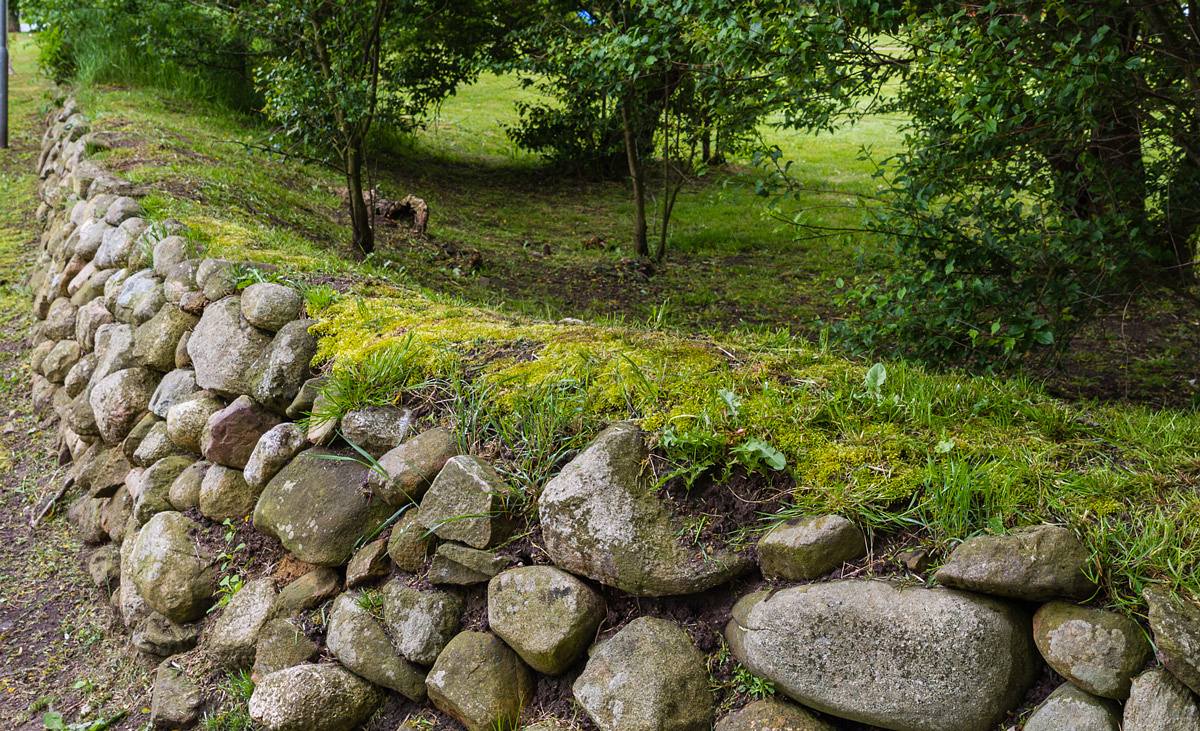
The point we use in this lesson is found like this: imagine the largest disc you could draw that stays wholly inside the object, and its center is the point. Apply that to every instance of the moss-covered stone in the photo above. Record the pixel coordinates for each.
(806, 548)
(1097, 650)
(547, 615)
(480, 682)
(359, 642)
(318, 508)
(601, 519)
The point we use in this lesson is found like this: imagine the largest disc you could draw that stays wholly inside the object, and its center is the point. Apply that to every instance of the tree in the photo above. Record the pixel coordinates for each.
(1050, 159)
(332, 70)
(645, 77)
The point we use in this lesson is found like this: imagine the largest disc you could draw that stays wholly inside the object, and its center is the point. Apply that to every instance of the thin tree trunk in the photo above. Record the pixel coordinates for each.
(640, 245)
(360, 217)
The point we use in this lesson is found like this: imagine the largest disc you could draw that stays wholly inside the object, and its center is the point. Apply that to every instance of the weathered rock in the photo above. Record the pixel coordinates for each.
(176, 387)
(114, 350)
(170, 252)
(120, 399)
(325, 537)
(279, 372)
(647, 677)
(139, 297)
(421, 621)
(408, 545)
(176, 700)
(1070, 709)
(223, 346)
(547, 615)
(806, 548)
(61, 359)
(411, 467)
(231, 434)
(80, 374)
(1035, 564)
(368, 564)
(104, 473)
(601, 519)
(182, 359)
(90, 318)
(302, 404)
(185, 490)
(465, 503)
(307, 592)
(156, 635)
(480, 682)
(1159, 702)
(104, 566)
(224, 494)
(154, 487)
(137, 435)
(460, 565)
(306, 697)
(155, 339)
(280, 645)
(60, 320)
(155, 445)
(116, 514)
(274, 449)
(234, 634)
(118, 243)
(360, 643)
(322, 425)
(771, 714)
(180, 281)
(186, 420)
(169, 569)
(270, 306)
(1175, 622)
(904, 659)
(217, 279)
(376, 429)
(1098, 651)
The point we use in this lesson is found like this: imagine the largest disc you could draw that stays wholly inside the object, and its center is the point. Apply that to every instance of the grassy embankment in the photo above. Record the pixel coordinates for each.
(942, 456)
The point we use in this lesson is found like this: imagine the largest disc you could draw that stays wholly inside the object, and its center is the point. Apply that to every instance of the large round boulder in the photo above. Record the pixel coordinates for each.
(907, 659)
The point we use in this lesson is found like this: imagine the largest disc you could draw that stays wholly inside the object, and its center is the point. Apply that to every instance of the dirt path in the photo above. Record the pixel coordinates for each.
(59, 648)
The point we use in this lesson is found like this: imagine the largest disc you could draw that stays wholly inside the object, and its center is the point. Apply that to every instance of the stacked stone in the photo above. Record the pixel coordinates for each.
(177, 397)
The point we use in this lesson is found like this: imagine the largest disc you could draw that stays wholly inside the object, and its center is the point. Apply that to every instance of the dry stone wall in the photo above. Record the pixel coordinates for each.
(177, 398)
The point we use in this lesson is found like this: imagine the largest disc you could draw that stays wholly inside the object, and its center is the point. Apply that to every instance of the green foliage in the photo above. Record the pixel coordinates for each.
(332, 71)
(639, 80)
(54, 721)
(186, 48)
(379, 379)
(233, 713)
(371, 600)
(1048, 164)
(231, 582)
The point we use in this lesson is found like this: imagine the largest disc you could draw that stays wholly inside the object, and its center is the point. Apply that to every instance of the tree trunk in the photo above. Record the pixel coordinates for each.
(636, 175)
(360, 216)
